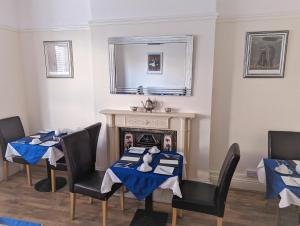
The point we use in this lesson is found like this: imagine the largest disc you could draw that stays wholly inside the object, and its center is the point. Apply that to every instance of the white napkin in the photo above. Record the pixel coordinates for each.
(291, 181)
(136, 150)
(36, 136)
(169, 161)
(166, 170)
(49, 143)
(130, 158)
(297, 162)
(283, 169)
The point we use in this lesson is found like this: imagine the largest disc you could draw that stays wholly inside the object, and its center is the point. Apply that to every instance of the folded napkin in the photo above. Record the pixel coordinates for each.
(136, 150)
(283, 169)
(49, 143)
(166, 170)
(297, 162)
(130, 158)
(291, 181)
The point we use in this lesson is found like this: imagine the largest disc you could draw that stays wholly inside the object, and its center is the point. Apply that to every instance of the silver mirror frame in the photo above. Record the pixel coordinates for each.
(188, 39)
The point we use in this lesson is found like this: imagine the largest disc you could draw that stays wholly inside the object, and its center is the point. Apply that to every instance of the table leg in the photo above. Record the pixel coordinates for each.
(148, 217)
(149, 203)
(44, 185)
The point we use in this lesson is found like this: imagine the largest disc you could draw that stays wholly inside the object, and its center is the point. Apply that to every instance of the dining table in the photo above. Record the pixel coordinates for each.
(41, 145)
(286, 186)
(165, 173)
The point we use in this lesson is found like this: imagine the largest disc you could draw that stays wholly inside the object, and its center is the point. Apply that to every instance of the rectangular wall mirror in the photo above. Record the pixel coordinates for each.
(160, 65)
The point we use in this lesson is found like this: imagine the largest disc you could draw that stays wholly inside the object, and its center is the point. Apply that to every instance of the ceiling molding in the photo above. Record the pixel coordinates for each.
(258, 17)
(8, 28)
(154, 19)
(57, 28)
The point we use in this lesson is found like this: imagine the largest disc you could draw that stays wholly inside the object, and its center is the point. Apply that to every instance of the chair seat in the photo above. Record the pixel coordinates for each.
(61, 165)
(20, 160)
(91, 186)
(197, 196)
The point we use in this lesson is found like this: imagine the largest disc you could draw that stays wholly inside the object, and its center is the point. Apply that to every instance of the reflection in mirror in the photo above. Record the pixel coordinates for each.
(151, 65)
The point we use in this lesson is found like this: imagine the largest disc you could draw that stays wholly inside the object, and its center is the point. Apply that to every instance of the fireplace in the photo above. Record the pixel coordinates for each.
(136, 137)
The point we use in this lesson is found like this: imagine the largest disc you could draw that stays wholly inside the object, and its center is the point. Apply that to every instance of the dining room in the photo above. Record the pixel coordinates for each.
(149, 113)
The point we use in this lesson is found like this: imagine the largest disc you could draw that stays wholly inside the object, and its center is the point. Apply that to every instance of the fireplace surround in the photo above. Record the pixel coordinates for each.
(122, 120)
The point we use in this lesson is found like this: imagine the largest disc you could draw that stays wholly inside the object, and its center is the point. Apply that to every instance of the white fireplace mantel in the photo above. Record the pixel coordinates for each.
(180, 122)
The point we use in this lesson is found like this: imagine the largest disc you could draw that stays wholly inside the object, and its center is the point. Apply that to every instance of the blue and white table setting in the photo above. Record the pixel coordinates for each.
(282, 178)
(36, 147)
(42, 145)
(142, 171)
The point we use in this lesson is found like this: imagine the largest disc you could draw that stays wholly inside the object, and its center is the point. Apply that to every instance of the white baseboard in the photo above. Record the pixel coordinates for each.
(240, 181)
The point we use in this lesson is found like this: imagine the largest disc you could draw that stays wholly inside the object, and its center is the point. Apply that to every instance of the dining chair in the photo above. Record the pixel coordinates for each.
(83, 178)
(12, 129)
(61, 164)
(284, 145)
(208, 198)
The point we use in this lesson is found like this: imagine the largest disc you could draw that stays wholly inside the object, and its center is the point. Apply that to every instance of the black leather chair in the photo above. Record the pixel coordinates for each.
(284, 145)
(208, 198)
(82, 176)
(61, 164)
(12, 129)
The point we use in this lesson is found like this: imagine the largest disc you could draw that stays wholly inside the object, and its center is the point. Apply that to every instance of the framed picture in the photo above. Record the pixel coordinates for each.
(58, 59)
(154, 63)
(265, 54)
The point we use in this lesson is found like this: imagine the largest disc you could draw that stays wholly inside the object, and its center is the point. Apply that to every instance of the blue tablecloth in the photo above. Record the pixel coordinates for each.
(33, 153)
(142, 184)
(13, 222)
(274, 181)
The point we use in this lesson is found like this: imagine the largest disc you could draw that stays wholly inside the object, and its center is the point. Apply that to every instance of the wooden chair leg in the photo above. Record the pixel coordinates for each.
(219, 221)
(72, 205)
(104, 213)
(122, 197)
(53, 180)
(5, 170)
(174, 216)
(28, 172)
(90, 200)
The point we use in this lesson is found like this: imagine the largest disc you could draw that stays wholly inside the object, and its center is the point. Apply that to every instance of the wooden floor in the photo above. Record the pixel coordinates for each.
(20, 201)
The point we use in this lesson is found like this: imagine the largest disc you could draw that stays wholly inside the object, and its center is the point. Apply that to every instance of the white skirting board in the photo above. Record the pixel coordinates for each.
(240, 181)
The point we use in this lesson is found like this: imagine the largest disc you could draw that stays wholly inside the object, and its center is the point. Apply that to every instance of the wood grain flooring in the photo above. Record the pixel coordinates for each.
(18, 200)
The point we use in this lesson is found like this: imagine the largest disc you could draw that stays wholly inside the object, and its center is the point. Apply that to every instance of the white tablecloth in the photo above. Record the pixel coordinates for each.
(53, 154)
(287, 197)
(110, 178)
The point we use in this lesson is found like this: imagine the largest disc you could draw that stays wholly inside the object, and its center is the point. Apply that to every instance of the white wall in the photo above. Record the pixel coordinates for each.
(199, 103)
(245, 109)
(12, 90)
(39, 14)
(116, 9)
(256, 7)
(58, 102)
(8, 13)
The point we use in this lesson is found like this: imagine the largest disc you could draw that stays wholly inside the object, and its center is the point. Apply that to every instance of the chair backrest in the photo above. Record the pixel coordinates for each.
(284, 145)
(77, 150)
(226, 173)
(94, 131)
(10, 129)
